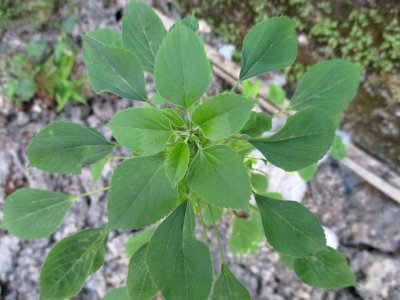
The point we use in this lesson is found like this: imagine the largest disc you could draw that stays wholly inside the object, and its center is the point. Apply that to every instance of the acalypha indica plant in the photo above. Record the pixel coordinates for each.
(191, 155)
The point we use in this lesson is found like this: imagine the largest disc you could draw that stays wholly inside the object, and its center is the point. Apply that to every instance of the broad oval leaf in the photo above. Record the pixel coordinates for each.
(268, 46)
(329, 86)
(177, 163)
(326, 269)
(290, 227)
(117, 294)
(257, 124)
(113, 69)
(179, 264)
(144, 130)
(302, 141)
(228, 287)
(218, 176)
(70, 262)
(137, 241)
(97, 168)
(34, 214)
(223, 115)
(64, 147)
(140, 193)
(142, 33)
(213, 214)
(107, 36)
(309, 172)
(182, 71)
(140, 284)
(259, 183)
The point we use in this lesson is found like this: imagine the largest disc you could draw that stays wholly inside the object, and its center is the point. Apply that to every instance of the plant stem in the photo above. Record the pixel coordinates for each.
(203, 225)
(119, 157)
(221, 251)
(90, 193)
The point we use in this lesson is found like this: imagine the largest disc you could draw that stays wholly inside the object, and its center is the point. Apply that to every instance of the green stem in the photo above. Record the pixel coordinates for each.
(203, 225)
(221, 251)
(255, 208)
(235, 86)
(90, 193)
(119, 157)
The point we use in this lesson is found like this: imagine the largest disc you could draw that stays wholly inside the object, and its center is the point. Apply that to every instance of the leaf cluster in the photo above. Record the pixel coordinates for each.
(190, 155)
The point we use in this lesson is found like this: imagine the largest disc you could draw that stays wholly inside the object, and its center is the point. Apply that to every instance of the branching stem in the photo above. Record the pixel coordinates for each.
(203, 225)
(221, 251)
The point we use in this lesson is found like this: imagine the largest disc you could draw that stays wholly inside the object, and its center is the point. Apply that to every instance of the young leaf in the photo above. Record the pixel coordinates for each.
(302, 141)
(97, 169)
(177, 163)
(326, 269)
(113, 69)
(117, 294)
(223, 115)
(270, 45)
(179, 264)
(64, 147)
(173, 116)
(140, 193)
(142, 33)
(227, 287)
(246, 236)
(309, 172)
(329, 86)
(34, 214)
(250, 90)
(137, 241)
(140, 284)
(259, 183)
(338, 149)
(290, 227)
(141, 129)
(276, 95)
(182, 70)
(191, 22)
(218, 176)
(257, 124)
(71, 262)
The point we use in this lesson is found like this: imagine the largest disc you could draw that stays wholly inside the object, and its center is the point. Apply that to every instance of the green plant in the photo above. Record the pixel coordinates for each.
(51, 79)
(190, 158)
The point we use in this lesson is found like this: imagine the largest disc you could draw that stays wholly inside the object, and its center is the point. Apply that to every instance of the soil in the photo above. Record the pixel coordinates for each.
(363, 222)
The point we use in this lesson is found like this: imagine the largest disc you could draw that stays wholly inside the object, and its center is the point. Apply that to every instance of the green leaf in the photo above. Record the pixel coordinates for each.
(219, 177)
(290, 227)
(64, 147)
(142, 33)
(140, 193)
(141, 129)
(177, 163)
(158, 100)
(97, 169)
(227, 287)
(71, 262)
(246, 236)
(276, 95)
(268, 46)
(302, 141)
(182, 71)
(288, 261)
(117, 294)
(309, 172)
(107, 36)
(223, 115)
(140, 284)
(217, 214)
(338, 149)
(33, 214)
(179, 264)
(259, 183)
(173, 116)
(250, 89)
(326, 269)
(329, 86)
(137, 241)
(257, 124)
(191, 22)
(113, 69)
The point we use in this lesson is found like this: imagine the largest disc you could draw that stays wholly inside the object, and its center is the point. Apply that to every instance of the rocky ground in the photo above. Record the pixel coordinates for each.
(364, 222)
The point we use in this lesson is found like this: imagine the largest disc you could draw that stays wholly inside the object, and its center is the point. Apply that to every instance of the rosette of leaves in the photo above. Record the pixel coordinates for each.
(189, 158)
